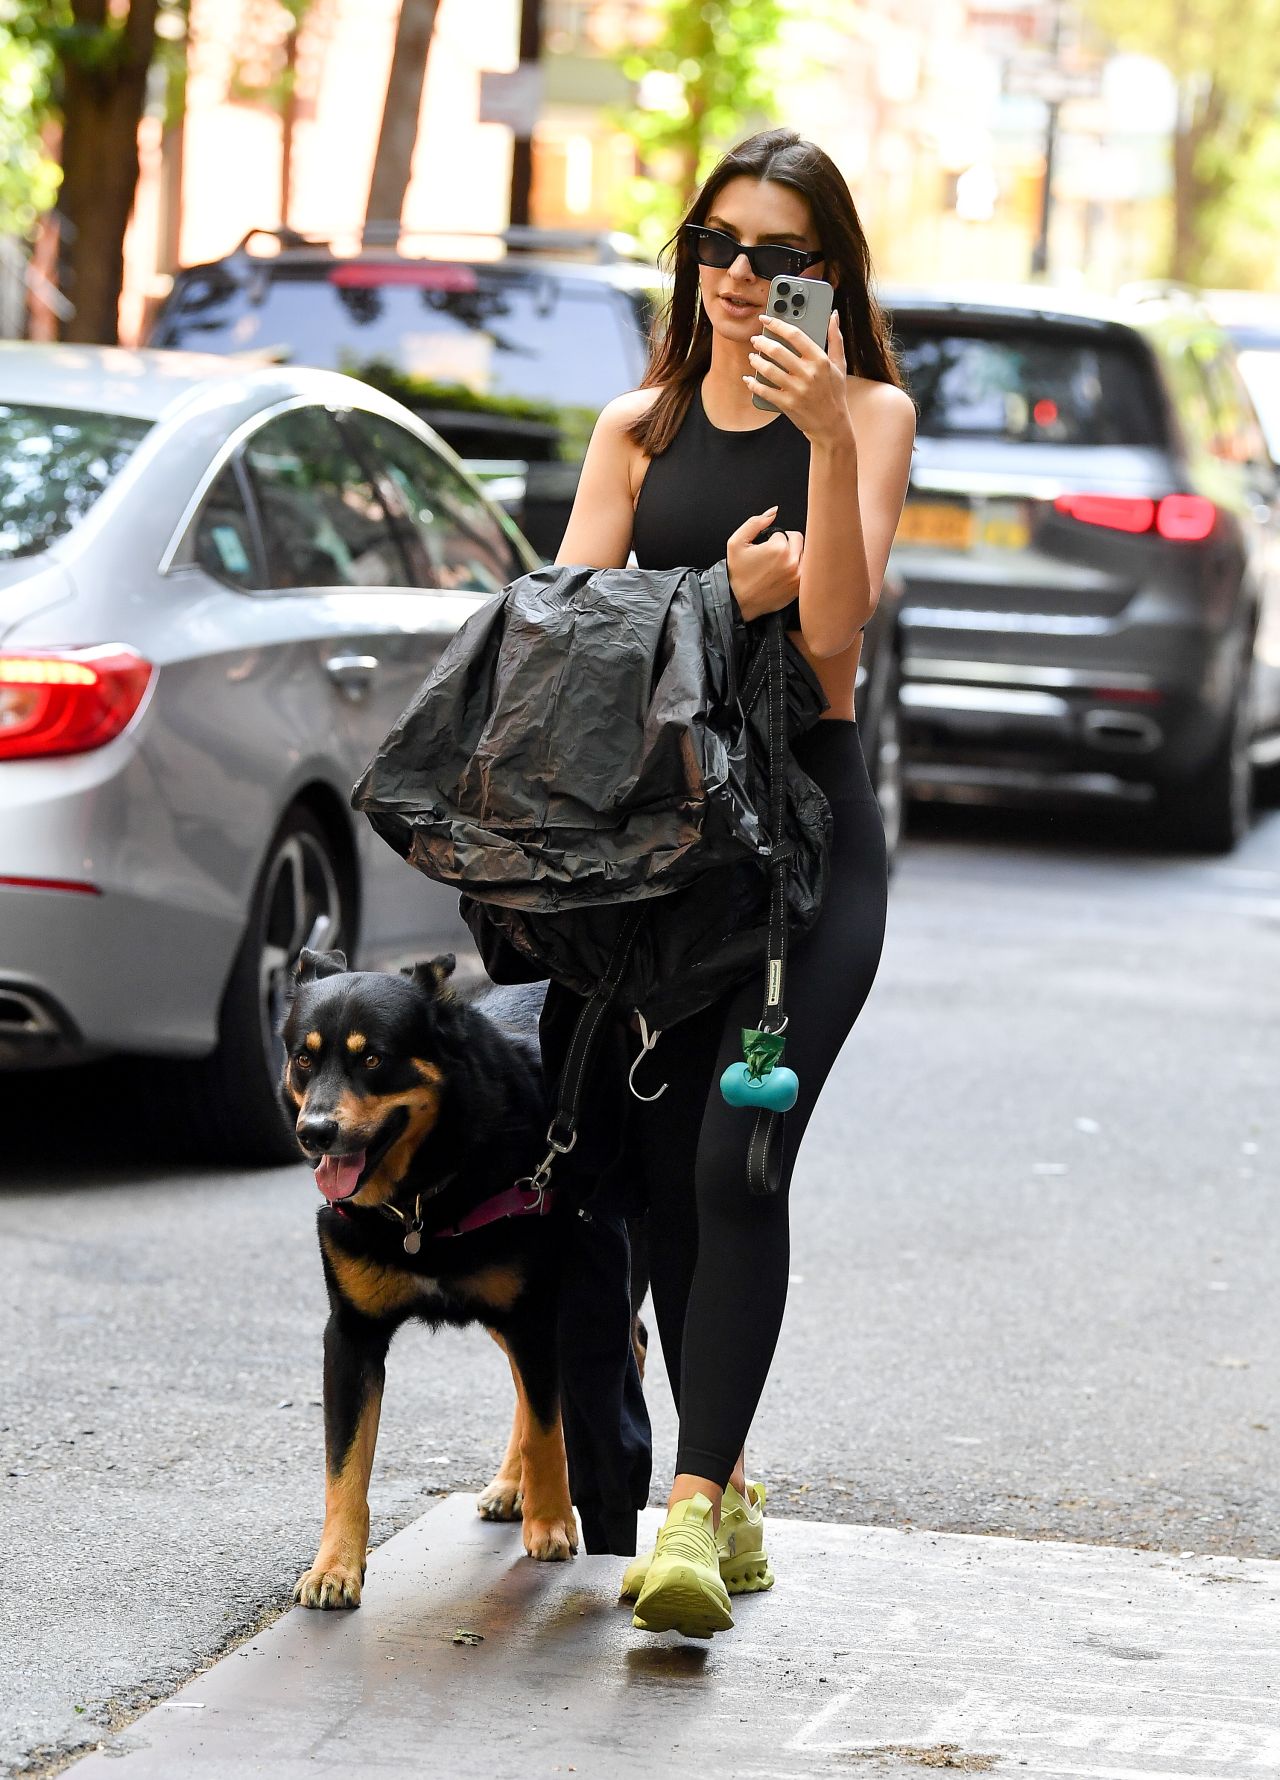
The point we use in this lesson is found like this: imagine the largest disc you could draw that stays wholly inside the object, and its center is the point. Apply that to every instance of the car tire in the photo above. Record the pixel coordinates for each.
(1211, 811)
(304, 895)
(886, 768)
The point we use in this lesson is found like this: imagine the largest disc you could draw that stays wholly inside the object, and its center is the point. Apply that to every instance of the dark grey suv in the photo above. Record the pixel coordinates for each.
(1089, 551)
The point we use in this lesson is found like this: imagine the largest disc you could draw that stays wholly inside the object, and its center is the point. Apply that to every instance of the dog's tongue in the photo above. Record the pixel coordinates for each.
(336, 1176)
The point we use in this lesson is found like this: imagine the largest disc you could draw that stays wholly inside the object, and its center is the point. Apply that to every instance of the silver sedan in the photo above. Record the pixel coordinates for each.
(219, 587)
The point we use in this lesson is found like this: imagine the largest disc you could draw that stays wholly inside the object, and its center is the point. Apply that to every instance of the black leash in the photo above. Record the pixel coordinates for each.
(764, 1154)
(562, 1133)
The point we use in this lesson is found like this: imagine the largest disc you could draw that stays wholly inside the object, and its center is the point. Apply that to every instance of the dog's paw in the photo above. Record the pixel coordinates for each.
(499, 1500)
(551, 1541)
(336, 1585)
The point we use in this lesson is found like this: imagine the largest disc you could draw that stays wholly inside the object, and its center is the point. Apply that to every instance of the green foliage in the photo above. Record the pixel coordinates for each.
(722, 59)
(1225, 58)
(28, 177)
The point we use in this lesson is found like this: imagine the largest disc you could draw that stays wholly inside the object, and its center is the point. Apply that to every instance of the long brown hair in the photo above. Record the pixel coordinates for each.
(680, 340)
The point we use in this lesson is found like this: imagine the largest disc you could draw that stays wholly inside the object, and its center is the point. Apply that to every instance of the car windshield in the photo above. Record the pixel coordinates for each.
(54, 464)
(1035, 387)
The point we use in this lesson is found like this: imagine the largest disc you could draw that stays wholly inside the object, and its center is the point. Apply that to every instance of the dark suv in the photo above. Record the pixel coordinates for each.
(509, 359)
(1089, 553)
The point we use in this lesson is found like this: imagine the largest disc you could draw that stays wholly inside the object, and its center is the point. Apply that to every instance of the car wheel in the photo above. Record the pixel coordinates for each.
(1211, 811)
(303, 897)
(886, 766)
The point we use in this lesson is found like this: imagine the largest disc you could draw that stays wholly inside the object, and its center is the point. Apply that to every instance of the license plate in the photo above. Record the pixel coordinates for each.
(944, 525)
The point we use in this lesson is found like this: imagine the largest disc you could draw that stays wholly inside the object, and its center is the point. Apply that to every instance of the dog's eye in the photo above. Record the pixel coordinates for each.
(302, 1061)
(372, 1060)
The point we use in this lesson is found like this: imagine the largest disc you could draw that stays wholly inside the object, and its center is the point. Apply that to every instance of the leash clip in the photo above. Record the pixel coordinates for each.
(540, 1179)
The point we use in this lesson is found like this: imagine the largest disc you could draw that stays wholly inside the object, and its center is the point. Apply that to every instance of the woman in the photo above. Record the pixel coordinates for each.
(686, 470)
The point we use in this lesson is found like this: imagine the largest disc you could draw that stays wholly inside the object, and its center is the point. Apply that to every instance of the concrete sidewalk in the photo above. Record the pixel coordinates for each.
(879, 1653)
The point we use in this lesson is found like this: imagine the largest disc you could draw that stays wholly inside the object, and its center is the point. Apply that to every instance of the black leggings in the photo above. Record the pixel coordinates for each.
(719, 1298)
(718, 1258)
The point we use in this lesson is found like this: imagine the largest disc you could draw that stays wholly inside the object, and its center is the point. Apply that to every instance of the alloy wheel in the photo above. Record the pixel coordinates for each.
(302, 906)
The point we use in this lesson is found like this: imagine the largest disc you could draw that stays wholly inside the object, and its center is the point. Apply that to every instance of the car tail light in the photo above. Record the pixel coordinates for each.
(67, 702)
(1186, 518)
(1118, 512)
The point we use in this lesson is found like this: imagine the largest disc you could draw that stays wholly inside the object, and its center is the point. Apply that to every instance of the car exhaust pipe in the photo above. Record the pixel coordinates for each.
(1121, 732)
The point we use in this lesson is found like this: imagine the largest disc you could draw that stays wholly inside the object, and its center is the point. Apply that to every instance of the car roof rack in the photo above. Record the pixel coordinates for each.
(606, 247)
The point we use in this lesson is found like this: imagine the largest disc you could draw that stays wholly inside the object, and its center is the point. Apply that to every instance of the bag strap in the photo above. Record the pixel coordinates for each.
(764, 1155)
(562, 1133)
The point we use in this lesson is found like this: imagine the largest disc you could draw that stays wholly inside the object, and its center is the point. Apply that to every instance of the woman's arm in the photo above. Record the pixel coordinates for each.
(856, 491)
(857, 482)
(598, 534)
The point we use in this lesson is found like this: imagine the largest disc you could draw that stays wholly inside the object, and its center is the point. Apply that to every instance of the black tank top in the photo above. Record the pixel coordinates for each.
(708, 481)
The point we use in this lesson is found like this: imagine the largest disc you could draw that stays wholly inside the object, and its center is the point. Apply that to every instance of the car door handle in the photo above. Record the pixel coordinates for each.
(352, 674)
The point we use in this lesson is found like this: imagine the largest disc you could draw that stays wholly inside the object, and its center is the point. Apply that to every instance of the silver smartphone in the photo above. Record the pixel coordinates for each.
(806, 303)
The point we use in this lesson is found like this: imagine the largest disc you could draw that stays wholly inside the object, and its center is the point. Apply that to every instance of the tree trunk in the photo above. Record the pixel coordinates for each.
(101, 107)
(398, 137)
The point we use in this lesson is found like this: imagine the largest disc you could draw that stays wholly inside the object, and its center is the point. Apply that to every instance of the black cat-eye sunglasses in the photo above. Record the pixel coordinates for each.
(712, 247)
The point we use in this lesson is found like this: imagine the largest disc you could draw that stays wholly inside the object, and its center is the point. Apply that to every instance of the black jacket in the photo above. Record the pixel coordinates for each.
(592, 739)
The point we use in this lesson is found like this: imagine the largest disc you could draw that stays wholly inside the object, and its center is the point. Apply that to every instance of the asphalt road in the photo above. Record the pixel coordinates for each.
(1034, 1252)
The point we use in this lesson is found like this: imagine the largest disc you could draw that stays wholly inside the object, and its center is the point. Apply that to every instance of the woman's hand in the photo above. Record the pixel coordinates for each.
(809, 384)
(764, 577)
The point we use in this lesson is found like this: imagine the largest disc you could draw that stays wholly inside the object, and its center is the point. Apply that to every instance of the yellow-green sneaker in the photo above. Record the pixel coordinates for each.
(682, 1589)
(744, 1562)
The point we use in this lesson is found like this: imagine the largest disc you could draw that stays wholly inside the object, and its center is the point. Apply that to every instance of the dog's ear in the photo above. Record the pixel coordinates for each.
(433, 973)
(311, 966)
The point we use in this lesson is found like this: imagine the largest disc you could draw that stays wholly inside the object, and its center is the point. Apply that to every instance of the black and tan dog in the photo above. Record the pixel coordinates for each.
(420, 1115)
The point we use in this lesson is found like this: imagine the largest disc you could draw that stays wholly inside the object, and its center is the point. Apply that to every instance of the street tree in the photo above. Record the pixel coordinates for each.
(100, 56)
(1225, 59)
(398, 134)
(706, 81)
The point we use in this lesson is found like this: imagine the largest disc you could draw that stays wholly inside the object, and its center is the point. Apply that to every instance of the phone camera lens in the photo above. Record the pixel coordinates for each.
(779, 308)
(784, 290)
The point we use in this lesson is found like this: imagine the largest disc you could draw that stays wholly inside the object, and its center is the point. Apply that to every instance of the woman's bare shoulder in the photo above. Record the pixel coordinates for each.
(624, 410)
(616, 419)
(871, 397)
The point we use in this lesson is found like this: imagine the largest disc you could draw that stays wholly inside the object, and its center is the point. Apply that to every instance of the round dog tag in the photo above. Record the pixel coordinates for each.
(412, 1242)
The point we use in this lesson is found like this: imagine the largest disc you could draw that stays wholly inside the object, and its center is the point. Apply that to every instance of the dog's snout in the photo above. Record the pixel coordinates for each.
(317, 1134)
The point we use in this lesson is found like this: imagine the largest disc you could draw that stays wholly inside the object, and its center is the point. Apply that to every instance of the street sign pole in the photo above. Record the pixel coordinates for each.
(1040, 251)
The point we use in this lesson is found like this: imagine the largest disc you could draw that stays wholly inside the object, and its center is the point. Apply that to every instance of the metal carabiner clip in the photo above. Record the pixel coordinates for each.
(647, 1042)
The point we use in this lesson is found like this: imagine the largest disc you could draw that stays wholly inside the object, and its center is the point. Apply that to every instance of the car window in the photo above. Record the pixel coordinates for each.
(1036, 386)
(224, 545)
(323, 522)
(54, 464)
(1190, 387)
(489, 356)
(465, 546)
